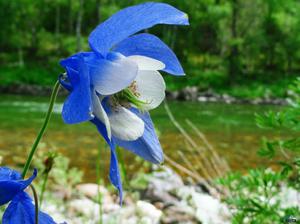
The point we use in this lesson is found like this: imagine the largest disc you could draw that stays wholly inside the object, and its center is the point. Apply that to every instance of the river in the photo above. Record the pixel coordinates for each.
(231, 130)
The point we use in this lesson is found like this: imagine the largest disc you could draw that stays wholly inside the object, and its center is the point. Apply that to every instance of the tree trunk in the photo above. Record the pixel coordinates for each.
(57, 27)
(289, 64)
(173, 37)
(234, 62)
(78, 25)
(98, 6)
(70, 19)
(20, 56)
(34, 40)
(57, 21)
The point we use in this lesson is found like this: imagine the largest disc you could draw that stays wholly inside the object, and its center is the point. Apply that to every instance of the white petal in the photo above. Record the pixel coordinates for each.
(125, 125)
(109, 77)
(151, 88)
(100, 113)
(146, 63)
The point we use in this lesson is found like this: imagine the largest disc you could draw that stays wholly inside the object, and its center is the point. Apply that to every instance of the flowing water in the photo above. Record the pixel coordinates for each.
(230, 129)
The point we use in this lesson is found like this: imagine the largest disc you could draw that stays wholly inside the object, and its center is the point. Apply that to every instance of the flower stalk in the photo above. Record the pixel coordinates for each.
(36, 204)
(43, 129)
(43, 188)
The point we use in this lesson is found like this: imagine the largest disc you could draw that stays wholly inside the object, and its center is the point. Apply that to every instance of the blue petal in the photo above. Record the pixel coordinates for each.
(147, 146)
(11, 184)
(151, 46)
(112, 75)
(131, 20)
(9, 174)
(22, 210)
(114, 173)
(77, 107)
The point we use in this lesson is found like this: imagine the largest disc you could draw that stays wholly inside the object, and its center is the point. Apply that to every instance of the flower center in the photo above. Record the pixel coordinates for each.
(134, 89)
(127, 97)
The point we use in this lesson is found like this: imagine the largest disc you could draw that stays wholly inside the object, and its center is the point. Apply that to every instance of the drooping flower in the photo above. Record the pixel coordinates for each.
(115, 84)
(21, 208)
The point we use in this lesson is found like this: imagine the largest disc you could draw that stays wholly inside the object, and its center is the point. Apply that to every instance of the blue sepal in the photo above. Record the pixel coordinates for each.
(22, 210)
(151, 46)
(78, 106)
(114, 173)
(147, 146)
(11, 184)
(131, 20)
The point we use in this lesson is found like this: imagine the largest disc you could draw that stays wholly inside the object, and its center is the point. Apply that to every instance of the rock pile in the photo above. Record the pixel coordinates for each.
(193, 94)
(166, 199)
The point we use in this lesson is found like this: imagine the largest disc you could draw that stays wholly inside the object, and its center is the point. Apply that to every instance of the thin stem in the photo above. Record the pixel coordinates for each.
(40, 135)
(43, 188)
(36, 204)
(99, 196)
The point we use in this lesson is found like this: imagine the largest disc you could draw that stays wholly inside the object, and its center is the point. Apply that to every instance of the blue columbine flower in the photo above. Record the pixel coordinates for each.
(115, 84)
(21, 208)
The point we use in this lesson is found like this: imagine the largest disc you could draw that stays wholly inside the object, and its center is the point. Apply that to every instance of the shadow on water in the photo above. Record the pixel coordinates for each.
(230, 129)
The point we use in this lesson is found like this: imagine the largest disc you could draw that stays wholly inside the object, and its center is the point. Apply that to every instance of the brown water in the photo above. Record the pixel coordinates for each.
(230, 129)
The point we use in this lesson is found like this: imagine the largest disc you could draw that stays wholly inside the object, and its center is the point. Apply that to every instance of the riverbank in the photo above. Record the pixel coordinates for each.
(185, 94)
(194, 94)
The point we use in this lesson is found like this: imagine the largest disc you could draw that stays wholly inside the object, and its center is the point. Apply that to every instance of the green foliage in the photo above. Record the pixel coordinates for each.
(255, 197)
(29, 74)
(141, 181)
(61, 174)
(228, 42)
(62, 177)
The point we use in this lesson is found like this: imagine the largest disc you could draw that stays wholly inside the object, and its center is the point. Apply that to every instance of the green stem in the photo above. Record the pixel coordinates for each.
(40, 135)
(43, 188)
(36, 204)
(99, 198)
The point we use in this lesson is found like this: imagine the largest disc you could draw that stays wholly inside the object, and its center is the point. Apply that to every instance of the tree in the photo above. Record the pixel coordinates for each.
(78, 25)
(234, 58)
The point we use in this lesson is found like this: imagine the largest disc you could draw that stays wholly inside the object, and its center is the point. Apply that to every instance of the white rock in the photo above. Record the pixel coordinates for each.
(208, 210)
(125, 215)
(289, 197)
(202, 99)
(148, 212)
(85, 207)
(88, 208)
(166, 180)
(126, 212)
(162, 183)
(91, 190)
(55, 212)
(109, 208)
